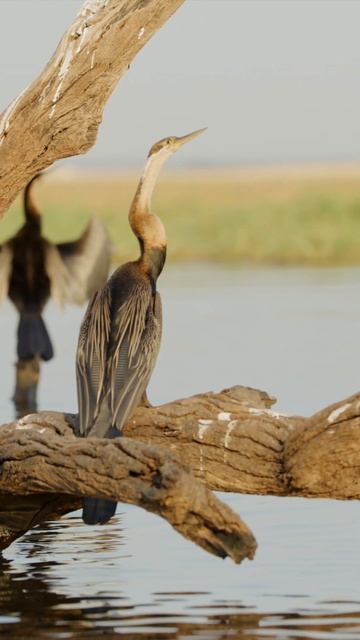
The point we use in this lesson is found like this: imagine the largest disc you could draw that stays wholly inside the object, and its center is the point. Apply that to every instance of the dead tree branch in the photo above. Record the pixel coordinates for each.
(59, 114)
(231, 440)
(235, 442)
(40, 457)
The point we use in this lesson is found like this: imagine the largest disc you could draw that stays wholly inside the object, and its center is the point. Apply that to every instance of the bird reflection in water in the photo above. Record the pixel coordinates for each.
(33, 269)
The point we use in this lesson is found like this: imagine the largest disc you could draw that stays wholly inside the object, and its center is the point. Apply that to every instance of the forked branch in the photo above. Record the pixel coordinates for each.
(231, 441)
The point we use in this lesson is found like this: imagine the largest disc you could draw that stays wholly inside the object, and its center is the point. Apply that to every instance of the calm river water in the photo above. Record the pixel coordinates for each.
(294, 333)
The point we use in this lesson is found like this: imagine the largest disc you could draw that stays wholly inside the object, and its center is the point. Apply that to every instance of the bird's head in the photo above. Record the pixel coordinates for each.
(148, 227)
(167, 146)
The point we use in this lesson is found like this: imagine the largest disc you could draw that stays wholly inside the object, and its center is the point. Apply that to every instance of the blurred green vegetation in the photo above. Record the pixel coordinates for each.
(266, 216)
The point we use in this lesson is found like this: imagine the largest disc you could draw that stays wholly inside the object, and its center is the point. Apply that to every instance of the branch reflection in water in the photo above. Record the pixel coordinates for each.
(37, 601)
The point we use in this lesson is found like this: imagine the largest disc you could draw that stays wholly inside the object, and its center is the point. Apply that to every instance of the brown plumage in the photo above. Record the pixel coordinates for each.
(32, 269)
(120, 335)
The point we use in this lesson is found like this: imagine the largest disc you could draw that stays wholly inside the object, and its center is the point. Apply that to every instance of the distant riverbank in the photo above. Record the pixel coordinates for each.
(291, 215)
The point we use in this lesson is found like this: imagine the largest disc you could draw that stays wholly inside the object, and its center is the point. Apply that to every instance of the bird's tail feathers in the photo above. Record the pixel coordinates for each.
(33, 338)
(97, 510)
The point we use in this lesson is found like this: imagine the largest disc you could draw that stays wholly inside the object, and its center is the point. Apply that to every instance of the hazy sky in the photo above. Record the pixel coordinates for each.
(274, 80)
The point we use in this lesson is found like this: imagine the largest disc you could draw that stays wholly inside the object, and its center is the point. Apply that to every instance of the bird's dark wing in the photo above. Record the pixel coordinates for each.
(5, 269)
(138, 343)
(118, 345)
(91, 358)
(87, 261)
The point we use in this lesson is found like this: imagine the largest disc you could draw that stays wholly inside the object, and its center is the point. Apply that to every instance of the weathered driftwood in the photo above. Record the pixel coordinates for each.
(231, 440)
(59, 114)
(41, 455)
(234, 442)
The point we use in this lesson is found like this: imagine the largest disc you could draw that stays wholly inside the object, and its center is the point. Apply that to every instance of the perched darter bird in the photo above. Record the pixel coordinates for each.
(32, 269)
(120, 335)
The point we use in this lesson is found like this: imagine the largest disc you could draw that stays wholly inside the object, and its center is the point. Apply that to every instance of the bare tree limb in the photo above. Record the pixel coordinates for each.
(231, 440)
(59, 114)
(37, 458)
(234, 444)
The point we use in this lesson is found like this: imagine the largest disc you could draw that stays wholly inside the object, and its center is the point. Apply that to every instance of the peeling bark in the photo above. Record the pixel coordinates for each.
(230, 440)
(59, 114)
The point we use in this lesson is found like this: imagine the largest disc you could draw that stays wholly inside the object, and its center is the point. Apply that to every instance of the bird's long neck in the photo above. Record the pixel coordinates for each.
(32, 214)
(148, 180)
(147, 227)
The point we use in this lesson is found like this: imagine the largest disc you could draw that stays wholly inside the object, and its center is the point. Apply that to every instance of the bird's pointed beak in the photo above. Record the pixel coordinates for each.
(189, 136)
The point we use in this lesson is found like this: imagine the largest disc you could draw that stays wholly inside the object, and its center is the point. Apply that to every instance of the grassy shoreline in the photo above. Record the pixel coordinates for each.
(294, 215)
